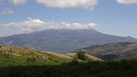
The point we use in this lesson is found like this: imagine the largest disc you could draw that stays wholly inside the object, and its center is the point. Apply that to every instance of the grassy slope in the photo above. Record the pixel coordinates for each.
(15, 56)
(90, 57)
(24, 62)
(12, 56)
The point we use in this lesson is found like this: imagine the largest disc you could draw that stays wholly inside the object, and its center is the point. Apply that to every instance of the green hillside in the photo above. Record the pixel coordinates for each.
(12, 56)
(16, 56)
(25, 62)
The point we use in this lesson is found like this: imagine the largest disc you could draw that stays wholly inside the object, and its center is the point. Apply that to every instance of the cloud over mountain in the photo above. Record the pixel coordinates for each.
(86, 4)
(32, 25)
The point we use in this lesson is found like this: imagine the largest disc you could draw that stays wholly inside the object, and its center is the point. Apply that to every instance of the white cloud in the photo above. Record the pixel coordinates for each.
(6, 11)
(86, 4)
(127, 1)
(32, 25)
(18, 2)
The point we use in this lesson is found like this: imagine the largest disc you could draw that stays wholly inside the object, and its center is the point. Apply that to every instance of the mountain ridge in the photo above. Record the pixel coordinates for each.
(114, 51)
(63, 40)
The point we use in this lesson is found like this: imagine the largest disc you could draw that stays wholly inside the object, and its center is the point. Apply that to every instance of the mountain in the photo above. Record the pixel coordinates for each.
(62, 40)
(12, 56)
(114, 51)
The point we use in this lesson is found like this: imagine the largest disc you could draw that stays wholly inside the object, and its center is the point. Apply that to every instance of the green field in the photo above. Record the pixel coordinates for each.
(16, 56)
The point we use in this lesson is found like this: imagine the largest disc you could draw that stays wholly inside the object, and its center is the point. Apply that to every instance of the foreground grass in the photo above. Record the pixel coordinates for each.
(92, 69)
(6, 61)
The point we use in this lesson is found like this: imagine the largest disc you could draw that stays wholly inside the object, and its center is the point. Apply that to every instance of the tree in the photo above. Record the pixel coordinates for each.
(81, 55)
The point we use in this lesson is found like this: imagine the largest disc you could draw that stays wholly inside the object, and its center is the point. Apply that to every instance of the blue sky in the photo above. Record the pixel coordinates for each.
(117, 17)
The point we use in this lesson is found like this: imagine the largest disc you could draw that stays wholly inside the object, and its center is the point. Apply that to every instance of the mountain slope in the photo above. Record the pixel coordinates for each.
(114, 51)
(89, 56)
(12, 56)
(63, 40)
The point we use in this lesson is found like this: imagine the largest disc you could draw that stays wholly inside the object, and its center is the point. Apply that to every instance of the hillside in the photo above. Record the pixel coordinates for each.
(25, 56)
(62, 40)
(12, 56)
(114, 51)
(89, 57)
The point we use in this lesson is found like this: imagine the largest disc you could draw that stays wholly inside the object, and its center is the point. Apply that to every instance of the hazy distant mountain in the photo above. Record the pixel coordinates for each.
(61, 40)
(114, 51)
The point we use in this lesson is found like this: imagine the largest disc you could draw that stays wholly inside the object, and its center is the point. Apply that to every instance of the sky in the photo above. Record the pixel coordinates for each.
(116, 17)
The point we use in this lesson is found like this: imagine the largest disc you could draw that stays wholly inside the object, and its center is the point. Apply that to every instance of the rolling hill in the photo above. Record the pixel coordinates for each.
(61, 40)
(12, 56)
(114, 51)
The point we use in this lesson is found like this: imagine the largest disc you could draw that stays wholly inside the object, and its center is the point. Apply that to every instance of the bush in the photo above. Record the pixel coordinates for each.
(91, 69)
(81, 55)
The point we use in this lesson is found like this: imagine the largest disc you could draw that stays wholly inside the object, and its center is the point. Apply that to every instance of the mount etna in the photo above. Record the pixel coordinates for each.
(63, 40)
